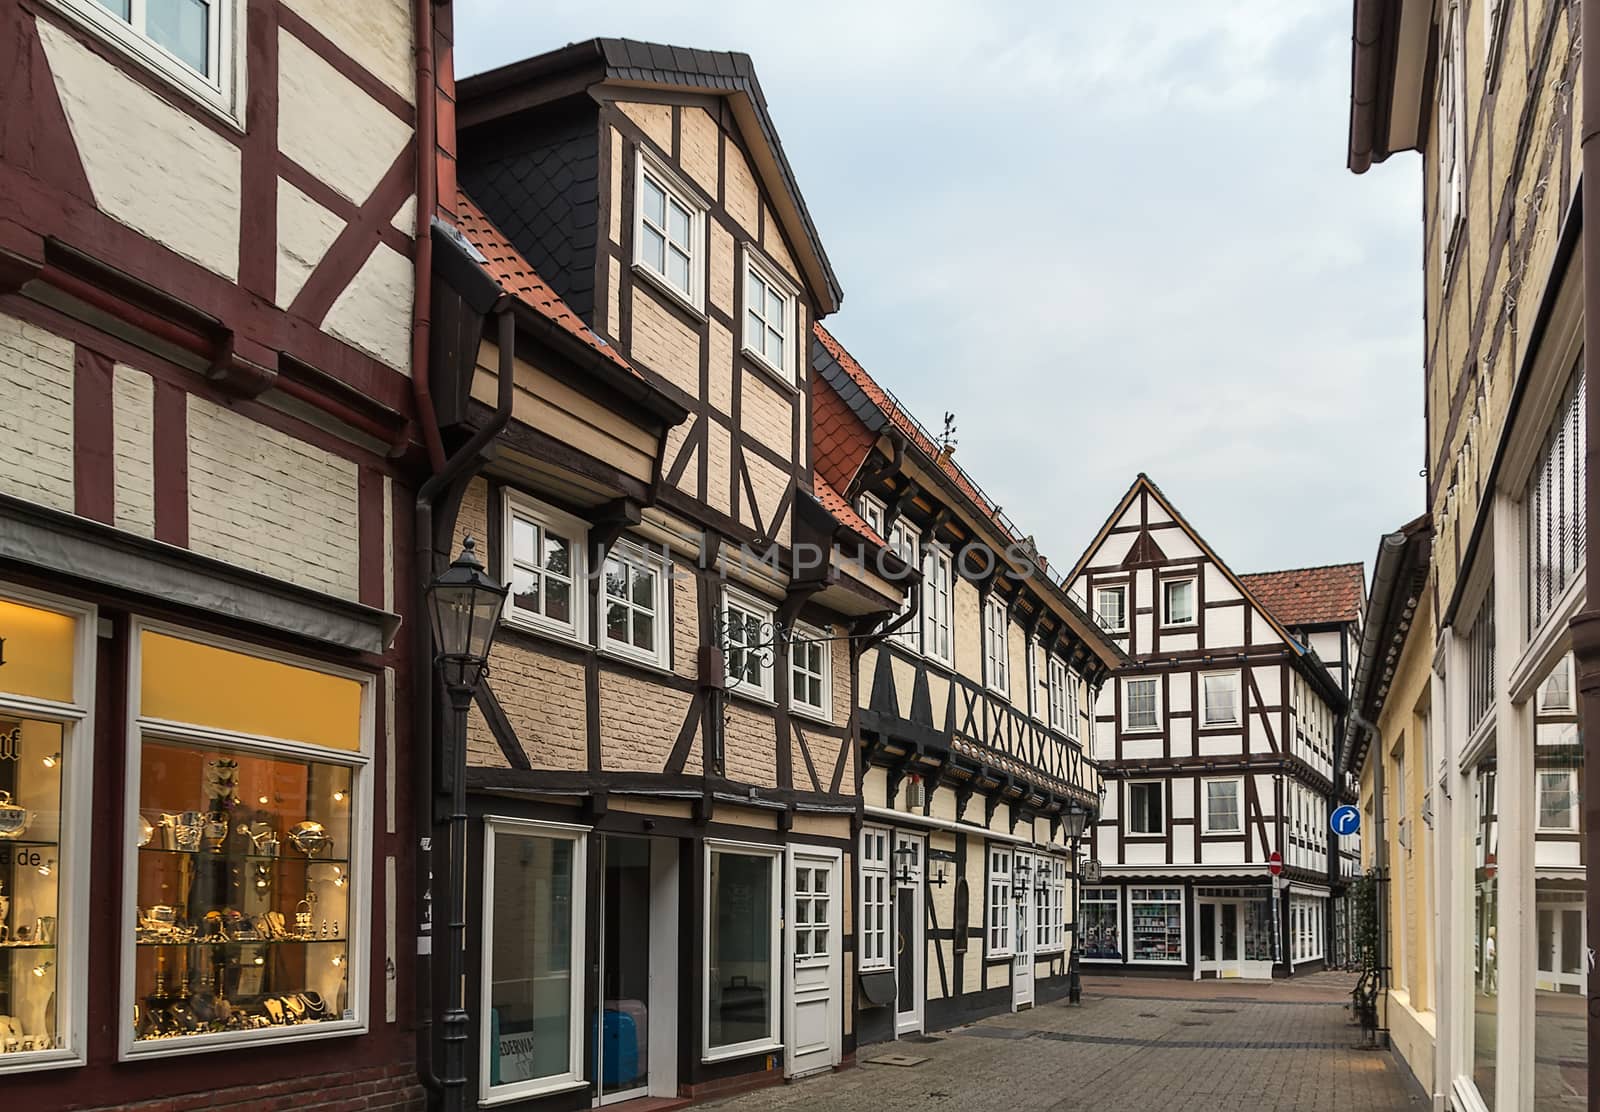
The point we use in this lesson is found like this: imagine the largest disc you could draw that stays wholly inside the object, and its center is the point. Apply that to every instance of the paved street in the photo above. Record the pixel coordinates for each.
(1134, 1046)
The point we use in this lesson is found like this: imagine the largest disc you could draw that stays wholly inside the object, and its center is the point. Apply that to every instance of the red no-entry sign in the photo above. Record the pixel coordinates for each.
(1275, 863)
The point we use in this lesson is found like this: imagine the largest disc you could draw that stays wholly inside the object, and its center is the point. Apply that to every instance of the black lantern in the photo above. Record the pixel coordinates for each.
(1073, 821)
(464, 605)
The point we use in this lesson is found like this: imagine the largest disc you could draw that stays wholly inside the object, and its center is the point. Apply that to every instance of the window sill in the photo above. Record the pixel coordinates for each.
(760, 698)
(1143, 731)
(811, 714)
(42, 1060)
(779, 376)
(678, 299)
(528, 1094)
(625, 656)
(560, 636)
(743, 1050)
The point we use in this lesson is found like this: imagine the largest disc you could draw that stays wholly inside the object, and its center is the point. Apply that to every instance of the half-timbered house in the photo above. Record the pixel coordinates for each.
(1217, 747)
(661, 765)
(975, 717)
(207, 447)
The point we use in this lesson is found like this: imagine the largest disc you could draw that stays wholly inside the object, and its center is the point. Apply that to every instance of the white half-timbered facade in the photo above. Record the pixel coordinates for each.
(1217, 746)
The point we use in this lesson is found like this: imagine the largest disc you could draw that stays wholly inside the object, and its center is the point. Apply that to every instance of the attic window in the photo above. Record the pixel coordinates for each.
(668, 233)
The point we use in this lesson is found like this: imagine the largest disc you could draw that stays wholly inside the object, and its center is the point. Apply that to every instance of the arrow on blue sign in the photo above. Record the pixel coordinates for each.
(1345, 819)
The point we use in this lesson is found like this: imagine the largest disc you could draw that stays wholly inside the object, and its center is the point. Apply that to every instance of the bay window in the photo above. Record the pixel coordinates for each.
(533, 957)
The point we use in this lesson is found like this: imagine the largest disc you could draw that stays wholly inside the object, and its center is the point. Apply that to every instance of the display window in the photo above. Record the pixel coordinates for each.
(247, 822)
(1102, 924)
(46, 685)
(742, 948)
(1156, 916)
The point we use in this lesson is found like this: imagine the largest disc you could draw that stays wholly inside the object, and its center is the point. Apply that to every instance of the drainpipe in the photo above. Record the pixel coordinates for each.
(428, 558)
(1586, 625)
(427, 201)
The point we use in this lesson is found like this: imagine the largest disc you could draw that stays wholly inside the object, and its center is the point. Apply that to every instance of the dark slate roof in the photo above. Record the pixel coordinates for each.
(674, 67)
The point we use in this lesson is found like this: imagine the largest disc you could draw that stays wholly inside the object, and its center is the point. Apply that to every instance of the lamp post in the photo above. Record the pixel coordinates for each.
(1072, 824)
(464, 606)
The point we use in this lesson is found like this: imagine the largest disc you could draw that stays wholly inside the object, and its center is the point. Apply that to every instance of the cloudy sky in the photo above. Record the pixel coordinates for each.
(1111, 238)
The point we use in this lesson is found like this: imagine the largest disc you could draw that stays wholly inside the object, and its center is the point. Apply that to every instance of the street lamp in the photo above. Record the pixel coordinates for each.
(1073, 824)
(464, 606)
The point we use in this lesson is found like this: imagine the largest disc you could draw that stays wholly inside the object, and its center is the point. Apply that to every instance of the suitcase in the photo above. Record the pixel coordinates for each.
(618, 1047)
(635, 1010)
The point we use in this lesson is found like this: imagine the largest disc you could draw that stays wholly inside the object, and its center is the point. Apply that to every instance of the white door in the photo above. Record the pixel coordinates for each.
(910, 949)
(1022, 881)
(813, 988)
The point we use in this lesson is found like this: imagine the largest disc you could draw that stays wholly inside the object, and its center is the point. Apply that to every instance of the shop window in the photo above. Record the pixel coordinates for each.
(999, 904)
(637, 623)
(1156, 931)
(545, 560)
(810, 674)
(1101, 909)
(741, 950)
(1147, 807)
(532, 1028)
(246, 914)
(874, 899)
(45, 763)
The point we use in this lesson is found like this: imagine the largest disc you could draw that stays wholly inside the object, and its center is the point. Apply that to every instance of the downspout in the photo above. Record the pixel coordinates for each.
(427, 202)
(1586, 625)
(426, 561)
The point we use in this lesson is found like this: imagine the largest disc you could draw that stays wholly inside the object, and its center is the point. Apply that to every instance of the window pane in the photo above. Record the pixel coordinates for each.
(740, 978)
(530, 992)
(678, 269)
(181, 26)
(118, 8)
(524, 540)
(644, 588)
(753, 330)
(617, 621)
(653, 250)
(775, 346)
(679, 228)
(30, 771)
(557, 555)
(558, 601)
(815, 698)
(774, 308)
(644, 631)
(655, 203)
(616, 579)
(755, 292)
(525, 590)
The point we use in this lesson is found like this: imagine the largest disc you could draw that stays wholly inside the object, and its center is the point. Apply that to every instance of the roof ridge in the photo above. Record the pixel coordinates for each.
(1306, 567)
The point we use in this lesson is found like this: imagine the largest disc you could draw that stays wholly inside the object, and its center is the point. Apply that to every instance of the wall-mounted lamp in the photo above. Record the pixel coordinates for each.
(52, 760)
(905, 854)
(43, 967)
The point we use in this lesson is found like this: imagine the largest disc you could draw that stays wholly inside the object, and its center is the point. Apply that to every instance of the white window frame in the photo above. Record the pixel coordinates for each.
(1127, 705)
(139, 730)
(576, 534)
(875, 872)
(219, 92)
(775, 281)
(1452, 132)
(997, 902)
(647, 164)
(1058, 679)
(1120, 589)
(1095, 894)
(764, 612)
(938, 593)
(1031, 662)
(1193, 583)
(1206, 721)
(1563, 668)
(495, 826)
(1050, 902)
(77, 721)
(636, 557)
(1571, 775)
(804, 636)
(1161, 791)
(905, 540)
(771, 1042)
(1167, 900)
(997, 645)
(1207, 826)
(872, 510)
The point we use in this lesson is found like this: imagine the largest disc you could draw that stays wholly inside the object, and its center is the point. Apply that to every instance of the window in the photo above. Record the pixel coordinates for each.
(1452, 137)
(1554, 508)
(1050, 903)
(810, 673)
(996, 647)
(936, 580)
(1101, 909)
(667, 234)
(1222, 806)
(253, 793)
(871, 511)
(1177, 602)
(1063, 698)
(769, 310)
(741, 949)
(1558, 799)
(1555, 696)
(636, 623)
(1111, 606)
(1030, 652)
(1156, 930)
(1220, 691)
(1142, 713)
(190, 41)
(749, 624)
(874, 899)
(905, 540)
(532, 1011)
(999, 906)
(546, 565)
(1147, 807)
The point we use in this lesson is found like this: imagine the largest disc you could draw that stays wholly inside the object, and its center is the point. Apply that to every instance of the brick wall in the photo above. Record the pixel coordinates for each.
(664, 343)
(36, 379)
(379, 1089)
(133, 422)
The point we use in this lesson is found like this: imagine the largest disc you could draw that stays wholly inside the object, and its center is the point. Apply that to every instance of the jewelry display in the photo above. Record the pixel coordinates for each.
(223, 906)
(13, 816)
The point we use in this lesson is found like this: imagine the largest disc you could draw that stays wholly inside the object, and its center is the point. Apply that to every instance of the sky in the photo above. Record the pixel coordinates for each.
(1110, 238)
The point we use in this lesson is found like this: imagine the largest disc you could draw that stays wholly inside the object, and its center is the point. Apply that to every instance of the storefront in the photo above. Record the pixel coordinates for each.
(1225, 929)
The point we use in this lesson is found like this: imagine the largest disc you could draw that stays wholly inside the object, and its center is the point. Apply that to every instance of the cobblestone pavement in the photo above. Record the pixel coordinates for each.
(1133, 1046)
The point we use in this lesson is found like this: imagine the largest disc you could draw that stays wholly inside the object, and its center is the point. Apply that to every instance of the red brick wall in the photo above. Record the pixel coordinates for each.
(387, 1088)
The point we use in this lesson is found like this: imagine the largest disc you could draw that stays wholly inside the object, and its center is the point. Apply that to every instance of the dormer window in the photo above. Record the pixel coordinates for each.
(668, 233)
(769, 306)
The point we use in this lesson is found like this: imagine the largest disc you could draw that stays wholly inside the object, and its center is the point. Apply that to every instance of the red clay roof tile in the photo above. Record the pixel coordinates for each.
(1311, 596)
(832, 501)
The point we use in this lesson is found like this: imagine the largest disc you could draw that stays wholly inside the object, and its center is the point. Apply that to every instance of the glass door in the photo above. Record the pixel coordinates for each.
(622, 1041)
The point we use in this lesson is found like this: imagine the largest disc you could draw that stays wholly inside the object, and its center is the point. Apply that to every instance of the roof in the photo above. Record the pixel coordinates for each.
(1311, 596)
(1389, 64)
(679, 69)
(834, 502)
(505, 264)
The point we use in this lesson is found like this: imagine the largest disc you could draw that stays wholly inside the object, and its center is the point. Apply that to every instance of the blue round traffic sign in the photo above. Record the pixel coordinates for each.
(1345, 819)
